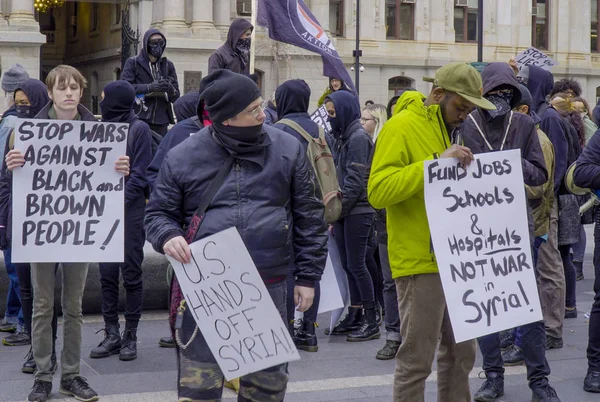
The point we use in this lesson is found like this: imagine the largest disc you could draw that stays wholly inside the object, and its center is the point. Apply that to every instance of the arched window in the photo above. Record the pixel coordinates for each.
(95, 96)
(260, 75)
(117, 73)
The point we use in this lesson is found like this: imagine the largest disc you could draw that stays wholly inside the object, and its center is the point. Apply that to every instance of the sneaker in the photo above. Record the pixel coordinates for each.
(544, 393)
(368, 330)
(167, 342)
(570, 312)
(40, 392)
(553, 343)
(507, 338)
(491, 389)
(389, 350)
(6, 326)
(592, 382)
(513, 356)
(578, 270)
(17, 339)
(78, 388)
(128, 345)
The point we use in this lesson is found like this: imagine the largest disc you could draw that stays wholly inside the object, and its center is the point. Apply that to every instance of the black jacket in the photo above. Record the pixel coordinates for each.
(587, 170)
(353, 154)
(271, 219)
(186, 106)
(521, 135)
(226, 56)
(138, 73)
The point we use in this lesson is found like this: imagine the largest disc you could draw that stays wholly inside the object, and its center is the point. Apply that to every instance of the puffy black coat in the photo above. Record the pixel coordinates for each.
(138, 73)
(226, 56)
(273, 206)
(353, 154)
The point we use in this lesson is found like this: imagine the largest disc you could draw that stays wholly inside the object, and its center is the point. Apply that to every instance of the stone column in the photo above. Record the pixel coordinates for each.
(202, 22)
(157, 13)
(222, 15)
(21, 16)
(3, 22)
(174, 17)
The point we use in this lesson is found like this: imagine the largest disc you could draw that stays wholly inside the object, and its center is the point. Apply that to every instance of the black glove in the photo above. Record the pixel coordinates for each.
(159, 86)
(3, 239)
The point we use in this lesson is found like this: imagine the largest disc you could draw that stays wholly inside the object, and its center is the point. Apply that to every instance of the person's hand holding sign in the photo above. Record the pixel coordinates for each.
(179, 249)
(303, 297)
(14, 159)
(463, 154)
(122, 165)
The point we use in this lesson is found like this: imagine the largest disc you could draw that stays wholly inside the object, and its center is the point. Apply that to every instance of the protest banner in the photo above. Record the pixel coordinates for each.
(480, 234)
(534, 57)
(68, 199)
(232, 307)
(321, 117)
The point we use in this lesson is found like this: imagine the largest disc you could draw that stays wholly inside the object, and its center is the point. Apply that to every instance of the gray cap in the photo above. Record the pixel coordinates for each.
(14, 77)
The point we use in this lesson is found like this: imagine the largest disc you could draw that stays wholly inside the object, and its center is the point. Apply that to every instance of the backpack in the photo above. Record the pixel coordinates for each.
(323, 165)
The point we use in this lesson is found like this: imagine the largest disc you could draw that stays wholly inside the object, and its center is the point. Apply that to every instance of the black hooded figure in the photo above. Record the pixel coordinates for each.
(154, 80)
(234, 55)
(116, 107)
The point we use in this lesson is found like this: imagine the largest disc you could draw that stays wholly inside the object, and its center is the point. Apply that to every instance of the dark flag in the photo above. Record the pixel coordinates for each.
(291, 21)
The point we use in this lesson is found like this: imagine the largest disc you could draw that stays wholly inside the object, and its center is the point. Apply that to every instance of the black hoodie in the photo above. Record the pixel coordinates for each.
(521, 134)
(138, 72)
(227, 56)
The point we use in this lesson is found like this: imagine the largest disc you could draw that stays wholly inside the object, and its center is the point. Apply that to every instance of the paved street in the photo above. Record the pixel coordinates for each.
(340, 371)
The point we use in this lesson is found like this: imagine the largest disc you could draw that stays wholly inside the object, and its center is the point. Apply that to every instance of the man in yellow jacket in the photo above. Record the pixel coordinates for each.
(417, 133)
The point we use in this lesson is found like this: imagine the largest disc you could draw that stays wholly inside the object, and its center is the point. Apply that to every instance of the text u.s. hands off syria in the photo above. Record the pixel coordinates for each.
(485, 254)
(67, 199)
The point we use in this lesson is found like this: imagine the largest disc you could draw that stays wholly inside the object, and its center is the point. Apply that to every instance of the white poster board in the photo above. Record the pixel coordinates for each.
(232, 307)
(321, 117)
(480, 234)
(535, 57)
(68, 199)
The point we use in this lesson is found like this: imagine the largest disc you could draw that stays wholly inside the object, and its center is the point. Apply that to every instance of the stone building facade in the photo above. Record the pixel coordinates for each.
(401, 40)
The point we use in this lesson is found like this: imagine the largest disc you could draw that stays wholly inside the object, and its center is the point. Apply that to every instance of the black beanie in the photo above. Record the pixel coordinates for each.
(225, 94)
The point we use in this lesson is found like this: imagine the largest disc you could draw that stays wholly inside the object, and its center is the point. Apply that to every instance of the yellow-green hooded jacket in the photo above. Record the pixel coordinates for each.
(414, 134)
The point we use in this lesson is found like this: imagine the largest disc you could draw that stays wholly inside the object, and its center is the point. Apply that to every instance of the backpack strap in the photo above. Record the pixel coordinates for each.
(196, 120)
(298, 128)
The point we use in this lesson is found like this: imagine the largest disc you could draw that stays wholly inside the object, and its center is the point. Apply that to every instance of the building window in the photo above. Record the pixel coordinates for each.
(117, 15)
(73, 19)
(94, 17)
(244, 7)
(539, 23)
(465, 21)
(595, 43)
(336, 17)
(399, 19)
(117, 73)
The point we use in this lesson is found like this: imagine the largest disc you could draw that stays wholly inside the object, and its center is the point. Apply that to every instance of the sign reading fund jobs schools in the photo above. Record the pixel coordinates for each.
(480, 234)
(232, 306)
(68, 199)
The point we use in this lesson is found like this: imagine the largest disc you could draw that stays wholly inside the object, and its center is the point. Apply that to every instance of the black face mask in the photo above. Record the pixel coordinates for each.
(156, 49)
(23, 111)
(243, 139)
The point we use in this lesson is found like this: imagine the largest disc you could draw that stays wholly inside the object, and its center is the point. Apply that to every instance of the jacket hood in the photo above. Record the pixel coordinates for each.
(236, 29)
(540, 83)
(500, 74)
(147, 35)
(117, 106)
(410, 100)
(347, 108)
(37, 93)
(534, 116)
(292, 96)
(11, 111)
(186, 106)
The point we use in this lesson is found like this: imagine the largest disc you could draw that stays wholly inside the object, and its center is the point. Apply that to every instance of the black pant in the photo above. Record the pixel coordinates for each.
(24, 274)
(570, 276)
(131, 270)
(352, 238)
(159, 128)
(593, 350)
(375, 271)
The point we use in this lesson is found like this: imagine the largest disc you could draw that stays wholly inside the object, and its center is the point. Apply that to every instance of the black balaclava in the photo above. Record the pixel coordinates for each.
(156, 47)
(347, 111)
(117, 105)
(37, 93)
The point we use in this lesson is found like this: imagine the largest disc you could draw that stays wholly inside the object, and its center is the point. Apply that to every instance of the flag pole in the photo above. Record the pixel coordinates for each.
(253, 42)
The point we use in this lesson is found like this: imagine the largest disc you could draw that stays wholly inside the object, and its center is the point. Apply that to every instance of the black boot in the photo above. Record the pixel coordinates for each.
(491, 389)
(129, 345)
(167, 342)
(29, 365)
(291, 328)
(110, 345)
(578, 270)
(513, 355)
(368, 330)
(544, 393)
(592, 382)
(305, 338)
(351, 322)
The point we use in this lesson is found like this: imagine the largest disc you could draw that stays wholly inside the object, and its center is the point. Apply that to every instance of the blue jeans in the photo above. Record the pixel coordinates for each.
(530, 337)
(13, 312)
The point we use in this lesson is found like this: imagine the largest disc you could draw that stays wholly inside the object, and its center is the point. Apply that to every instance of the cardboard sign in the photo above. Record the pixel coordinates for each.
(68, 199)
(232, 307)
(480, 234)
(534, 57)
(321, 117)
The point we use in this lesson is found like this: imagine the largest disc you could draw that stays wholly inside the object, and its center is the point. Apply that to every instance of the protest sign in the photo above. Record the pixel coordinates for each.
(68, 199)
(232, 307)
(321, 117)
(480, 233)
(534, 57)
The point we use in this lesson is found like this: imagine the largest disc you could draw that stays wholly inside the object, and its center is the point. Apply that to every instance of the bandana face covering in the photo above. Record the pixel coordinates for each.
(23, 111)
(501, 100)
(243, 45)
